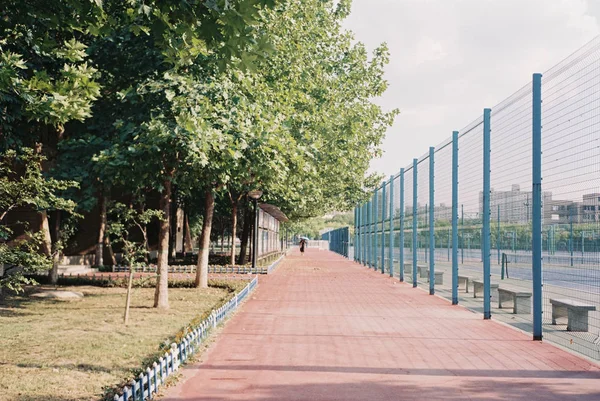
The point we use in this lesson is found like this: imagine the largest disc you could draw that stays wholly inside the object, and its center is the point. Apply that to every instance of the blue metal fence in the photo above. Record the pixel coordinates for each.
(339, 241)
(472, 220)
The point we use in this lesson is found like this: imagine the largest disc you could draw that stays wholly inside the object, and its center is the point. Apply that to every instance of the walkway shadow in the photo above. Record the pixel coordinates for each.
(487, 373)
(417, 389)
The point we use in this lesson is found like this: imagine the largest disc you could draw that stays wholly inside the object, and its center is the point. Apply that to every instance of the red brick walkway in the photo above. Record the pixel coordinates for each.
(325, 328)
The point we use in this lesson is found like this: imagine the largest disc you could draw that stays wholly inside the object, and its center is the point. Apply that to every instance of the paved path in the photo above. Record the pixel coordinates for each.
(325, 328)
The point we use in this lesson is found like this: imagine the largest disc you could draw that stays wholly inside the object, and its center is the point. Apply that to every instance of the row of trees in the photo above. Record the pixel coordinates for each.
(193, 102)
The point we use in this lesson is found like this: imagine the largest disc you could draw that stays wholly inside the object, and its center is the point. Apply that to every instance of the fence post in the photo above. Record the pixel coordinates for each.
(536, 238)
(370, 245)
(375, 218)
(355, 232)
(487, 313)
(363, 244)
(414, 224)
(391, 217)
(455, 218)
(498, 233)
(401, 224)
(431, 221)
(383, 217)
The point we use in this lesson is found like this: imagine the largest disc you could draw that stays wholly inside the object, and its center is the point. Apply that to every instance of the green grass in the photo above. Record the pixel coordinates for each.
(75, 350)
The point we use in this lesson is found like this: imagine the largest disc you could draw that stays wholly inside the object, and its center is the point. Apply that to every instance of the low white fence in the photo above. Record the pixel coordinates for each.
(146, 385)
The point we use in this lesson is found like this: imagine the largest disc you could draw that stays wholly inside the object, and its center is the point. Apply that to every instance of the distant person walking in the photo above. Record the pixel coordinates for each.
(302, 246)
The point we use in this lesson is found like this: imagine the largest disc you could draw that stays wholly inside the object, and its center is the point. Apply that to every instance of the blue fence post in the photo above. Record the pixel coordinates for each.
(401, 224)
(487, 313)
(498, 233)
(363, 246)
(375, 221)
(391, 218)
(354, 254)
(536, 238)
(357, 253)
(455, 218)
(414, 221)
(431, 221)
(383, 217)
(369, 238)
(371, 230)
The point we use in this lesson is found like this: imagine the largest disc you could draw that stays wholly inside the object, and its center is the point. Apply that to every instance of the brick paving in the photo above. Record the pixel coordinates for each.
(325, 328)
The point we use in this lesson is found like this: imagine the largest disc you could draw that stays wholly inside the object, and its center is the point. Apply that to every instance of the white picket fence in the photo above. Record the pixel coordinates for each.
(148, 382)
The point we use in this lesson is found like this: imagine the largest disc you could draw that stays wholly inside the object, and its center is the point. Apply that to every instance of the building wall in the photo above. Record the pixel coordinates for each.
(268, 233)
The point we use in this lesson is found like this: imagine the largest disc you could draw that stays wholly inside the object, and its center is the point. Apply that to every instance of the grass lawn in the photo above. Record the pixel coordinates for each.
(72, 350)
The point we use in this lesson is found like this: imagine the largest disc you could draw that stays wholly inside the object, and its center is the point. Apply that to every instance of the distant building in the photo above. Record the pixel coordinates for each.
(515, 206)
(590, 208)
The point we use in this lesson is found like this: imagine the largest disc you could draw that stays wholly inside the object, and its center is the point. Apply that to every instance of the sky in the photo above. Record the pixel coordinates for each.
(452, 58)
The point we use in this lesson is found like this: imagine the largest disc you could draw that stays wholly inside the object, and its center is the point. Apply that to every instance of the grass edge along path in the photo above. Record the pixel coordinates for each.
(80, 350)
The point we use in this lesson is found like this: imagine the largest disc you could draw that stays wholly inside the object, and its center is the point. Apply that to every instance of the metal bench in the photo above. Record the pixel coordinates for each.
(466, 280)
(521, 301)
(439, 277)
(576, 313)
(478, 289)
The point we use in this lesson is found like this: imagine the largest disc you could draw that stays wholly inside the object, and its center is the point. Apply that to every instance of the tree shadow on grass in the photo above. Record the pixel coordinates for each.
(82, 367)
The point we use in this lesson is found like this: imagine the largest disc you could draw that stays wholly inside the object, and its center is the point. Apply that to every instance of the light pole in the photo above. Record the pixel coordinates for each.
(255, 195)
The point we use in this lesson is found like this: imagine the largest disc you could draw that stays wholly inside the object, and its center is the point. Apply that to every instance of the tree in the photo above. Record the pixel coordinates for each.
(125, 219)
(45, 80)
(160, 99)
(22, 184)
(301, 125)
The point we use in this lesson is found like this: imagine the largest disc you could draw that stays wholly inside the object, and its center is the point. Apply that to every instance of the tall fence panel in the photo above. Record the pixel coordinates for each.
(339, 240)
(422, 218)
(479, 226)
(571, 210)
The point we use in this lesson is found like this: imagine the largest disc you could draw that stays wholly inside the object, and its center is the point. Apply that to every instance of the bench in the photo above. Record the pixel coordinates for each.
(408, 268)
(466, 280)
(439, 277)
(423, 271)
(576, 313)
(521, 300)
(478, 289)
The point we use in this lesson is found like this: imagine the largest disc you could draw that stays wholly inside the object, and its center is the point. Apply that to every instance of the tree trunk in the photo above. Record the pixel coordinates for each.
(187, 240)
(204, 243)
(173, 230)
(222, 236)
(234, 207)
(245, 235)
(128, 298)
(161, 294)
(45, 228)
(109, 250)
(56, 252)
(99, 259)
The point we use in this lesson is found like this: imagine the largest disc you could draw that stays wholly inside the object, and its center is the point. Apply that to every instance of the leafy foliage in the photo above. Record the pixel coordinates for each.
(189, 101)
(25, 187)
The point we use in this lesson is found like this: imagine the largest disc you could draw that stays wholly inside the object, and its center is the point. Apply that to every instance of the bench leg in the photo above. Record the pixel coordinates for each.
(467, 286)
(578, 320)
(494, 294)
(558, 312)
(522, 305)
(501, 299)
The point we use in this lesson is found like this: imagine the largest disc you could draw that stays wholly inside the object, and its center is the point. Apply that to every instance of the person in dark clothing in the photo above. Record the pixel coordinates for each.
(302, 245)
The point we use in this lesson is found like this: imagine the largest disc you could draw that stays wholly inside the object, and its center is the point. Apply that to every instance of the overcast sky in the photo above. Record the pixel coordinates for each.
(452, 58)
